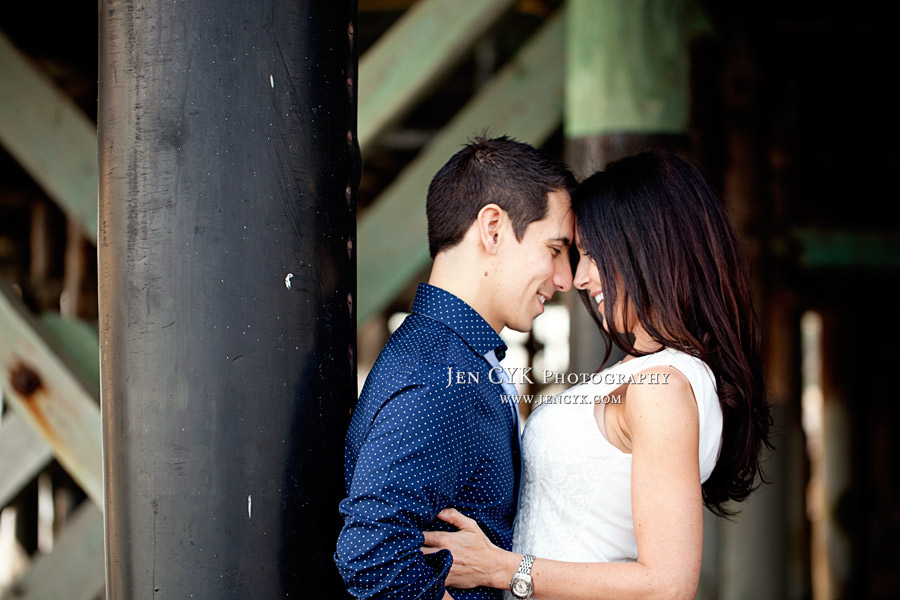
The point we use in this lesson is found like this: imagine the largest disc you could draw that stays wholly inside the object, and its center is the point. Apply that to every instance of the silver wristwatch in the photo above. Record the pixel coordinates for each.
(521, 586)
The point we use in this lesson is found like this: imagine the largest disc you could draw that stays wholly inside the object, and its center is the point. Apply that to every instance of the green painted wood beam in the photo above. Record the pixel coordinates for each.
(22, 456)
(47, 390)
(627, 66)
(821, 249)
(80, 341)
(405, 62)
(524, 100)
(74, 569)
(49, 136)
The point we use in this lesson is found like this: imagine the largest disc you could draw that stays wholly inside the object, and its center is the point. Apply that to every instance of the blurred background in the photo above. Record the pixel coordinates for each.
(788, 107)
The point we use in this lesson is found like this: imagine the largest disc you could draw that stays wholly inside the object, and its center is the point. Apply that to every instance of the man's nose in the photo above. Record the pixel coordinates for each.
(562, 278)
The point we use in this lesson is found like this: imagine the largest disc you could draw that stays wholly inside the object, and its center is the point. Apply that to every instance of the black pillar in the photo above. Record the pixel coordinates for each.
(228, 176)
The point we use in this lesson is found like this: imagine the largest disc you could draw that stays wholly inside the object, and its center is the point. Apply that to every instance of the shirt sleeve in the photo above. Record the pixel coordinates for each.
(412, 464)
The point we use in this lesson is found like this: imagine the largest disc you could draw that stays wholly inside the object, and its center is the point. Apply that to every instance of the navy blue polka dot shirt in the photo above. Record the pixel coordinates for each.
(421, 440)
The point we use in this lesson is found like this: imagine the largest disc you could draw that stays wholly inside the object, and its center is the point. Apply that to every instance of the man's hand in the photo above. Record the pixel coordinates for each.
(474, 556)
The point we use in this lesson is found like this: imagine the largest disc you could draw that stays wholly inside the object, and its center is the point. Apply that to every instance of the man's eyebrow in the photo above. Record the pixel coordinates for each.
(565, 240)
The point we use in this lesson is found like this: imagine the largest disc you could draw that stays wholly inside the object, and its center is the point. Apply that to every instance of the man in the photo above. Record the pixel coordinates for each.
(430, 430)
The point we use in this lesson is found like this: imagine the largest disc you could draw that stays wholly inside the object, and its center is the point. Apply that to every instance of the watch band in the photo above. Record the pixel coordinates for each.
(521, 586)
(525, 565)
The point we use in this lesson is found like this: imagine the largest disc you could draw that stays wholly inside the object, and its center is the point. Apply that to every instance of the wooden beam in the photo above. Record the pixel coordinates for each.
(405, 62)
(74, 569)
(384, 5)
(524, 100)
(49, 136)
(819, 249)
(47, 390)
(72, 301)
(627, 66)
(80, 342)
(22, 456)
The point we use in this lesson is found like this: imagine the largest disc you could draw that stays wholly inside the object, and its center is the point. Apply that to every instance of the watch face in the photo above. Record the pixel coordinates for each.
(520, 587)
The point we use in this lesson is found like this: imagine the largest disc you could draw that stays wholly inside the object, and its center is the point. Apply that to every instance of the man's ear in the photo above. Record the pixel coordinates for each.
(490, 222)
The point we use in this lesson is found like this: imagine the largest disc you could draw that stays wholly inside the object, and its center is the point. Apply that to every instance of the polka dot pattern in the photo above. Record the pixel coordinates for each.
(417, 445)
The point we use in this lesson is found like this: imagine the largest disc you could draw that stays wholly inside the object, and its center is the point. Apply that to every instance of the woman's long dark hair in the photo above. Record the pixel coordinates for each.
(654, 224)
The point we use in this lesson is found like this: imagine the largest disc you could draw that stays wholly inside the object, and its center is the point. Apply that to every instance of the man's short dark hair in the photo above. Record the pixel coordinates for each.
(515, 176)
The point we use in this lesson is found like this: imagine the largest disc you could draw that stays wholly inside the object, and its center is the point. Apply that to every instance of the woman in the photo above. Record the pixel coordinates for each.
(613, 493)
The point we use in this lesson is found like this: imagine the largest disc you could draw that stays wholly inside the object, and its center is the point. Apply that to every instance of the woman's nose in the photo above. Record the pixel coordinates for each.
(581, 279)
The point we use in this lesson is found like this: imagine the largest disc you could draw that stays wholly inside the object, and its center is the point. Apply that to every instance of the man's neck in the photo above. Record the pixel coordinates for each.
(462, 280)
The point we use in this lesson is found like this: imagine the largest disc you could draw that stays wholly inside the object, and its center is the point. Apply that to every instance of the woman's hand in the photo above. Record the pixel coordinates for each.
(475, 558)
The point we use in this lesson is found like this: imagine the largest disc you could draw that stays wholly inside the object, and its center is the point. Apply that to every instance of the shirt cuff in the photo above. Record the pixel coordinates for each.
(440, 561)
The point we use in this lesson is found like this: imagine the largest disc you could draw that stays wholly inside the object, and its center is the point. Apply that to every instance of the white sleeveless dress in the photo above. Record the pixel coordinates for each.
(576, 492)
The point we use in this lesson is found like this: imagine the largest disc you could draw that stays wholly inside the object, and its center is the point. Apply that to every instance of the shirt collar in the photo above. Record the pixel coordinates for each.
(444, 307)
